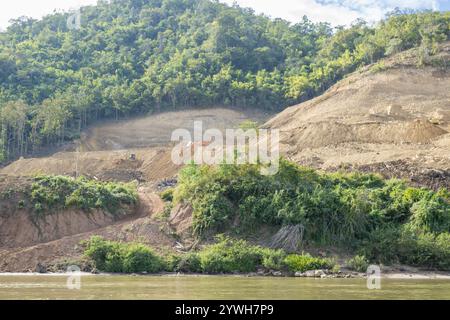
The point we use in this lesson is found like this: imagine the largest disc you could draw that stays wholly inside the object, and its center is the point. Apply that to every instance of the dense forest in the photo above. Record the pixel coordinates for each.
(138, 56)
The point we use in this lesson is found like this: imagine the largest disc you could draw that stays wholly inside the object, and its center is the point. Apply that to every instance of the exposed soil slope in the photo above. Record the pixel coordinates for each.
(122, 151)
(399, 113)
(104, 151)
(156, 130)
(56, 238)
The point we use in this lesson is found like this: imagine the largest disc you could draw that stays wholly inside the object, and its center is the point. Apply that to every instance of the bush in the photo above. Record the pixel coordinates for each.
(403, 245)
(190, 263)
(110, 256)
(230, 256)
(361, 213)
(57, 192)
(167, 195)
(140, 258)
(273, 259)
(358, 263)
(226, 256)
(302, 263)
(431, 214)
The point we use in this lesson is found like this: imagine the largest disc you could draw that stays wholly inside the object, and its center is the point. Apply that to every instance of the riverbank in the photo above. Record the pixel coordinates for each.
(394, 275)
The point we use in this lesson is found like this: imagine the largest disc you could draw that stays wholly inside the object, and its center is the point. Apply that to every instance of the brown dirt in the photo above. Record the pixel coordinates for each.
(72, 227)
(181, 219)
(156, 130)
(150, 164)
(399, 115)
(104, 153)
(105, 150)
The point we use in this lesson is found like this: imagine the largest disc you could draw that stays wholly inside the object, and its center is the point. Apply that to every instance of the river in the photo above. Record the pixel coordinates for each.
(214, 287)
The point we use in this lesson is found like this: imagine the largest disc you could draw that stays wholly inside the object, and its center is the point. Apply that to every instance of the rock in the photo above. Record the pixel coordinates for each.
(277, 274)
(323, 276)
(40, 268)
(300, 275)
(94, 271)
(310, 274)
(319, 273)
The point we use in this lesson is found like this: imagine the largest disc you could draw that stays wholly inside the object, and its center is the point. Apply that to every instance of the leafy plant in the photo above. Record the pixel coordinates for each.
(56, 192)
(305, 262)
(358, 263)
(120, 257)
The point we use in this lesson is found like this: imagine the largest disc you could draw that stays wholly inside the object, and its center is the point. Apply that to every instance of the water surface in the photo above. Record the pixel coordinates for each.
(215, 287)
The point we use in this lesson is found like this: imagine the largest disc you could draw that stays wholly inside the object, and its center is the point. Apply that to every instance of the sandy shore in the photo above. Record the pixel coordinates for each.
(417, 276)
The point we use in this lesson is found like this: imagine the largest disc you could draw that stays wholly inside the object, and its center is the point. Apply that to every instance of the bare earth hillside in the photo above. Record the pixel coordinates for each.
(104, 151)
(392, 118)
(129, 150)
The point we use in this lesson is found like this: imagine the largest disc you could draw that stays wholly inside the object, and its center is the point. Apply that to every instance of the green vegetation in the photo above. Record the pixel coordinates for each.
(385, 220)
(225, 256)
(358, 263)
(57, 192)
(229, 256)
(167, 195)
(138, 56)
(121, 257)
(302, 263)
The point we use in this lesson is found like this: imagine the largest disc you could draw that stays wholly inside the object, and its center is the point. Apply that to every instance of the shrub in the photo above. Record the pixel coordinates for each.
(229, 256)
(110, 256)
(402, 245)
(140, 258)
(431, 214)
(358, 263)
(273, 259)
(302, 263)
(56, 192)
(189, 262)
(211, 212)
(362, 213)
(167, 195)
(99, 251)
(226, 256)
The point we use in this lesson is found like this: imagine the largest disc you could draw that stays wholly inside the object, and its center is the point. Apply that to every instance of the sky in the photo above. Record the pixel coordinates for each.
(337, 12)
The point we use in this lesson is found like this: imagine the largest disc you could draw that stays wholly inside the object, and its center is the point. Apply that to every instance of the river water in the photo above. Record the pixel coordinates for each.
(213, 287)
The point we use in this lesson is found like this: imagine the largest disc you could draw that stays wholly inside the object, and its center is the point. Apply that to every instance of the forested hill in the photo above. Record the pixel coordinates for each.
(138, 56)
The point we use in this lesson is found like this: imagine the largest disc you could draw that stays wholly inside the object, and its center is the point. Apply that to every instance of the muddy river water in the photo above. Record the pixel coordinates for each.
(213, 287)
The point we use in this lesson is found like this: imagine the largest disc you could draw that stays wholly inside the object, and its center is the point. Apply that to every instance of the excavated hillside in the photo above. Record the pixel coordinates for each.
(392, 117)
(131, 150)
(136, 149)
